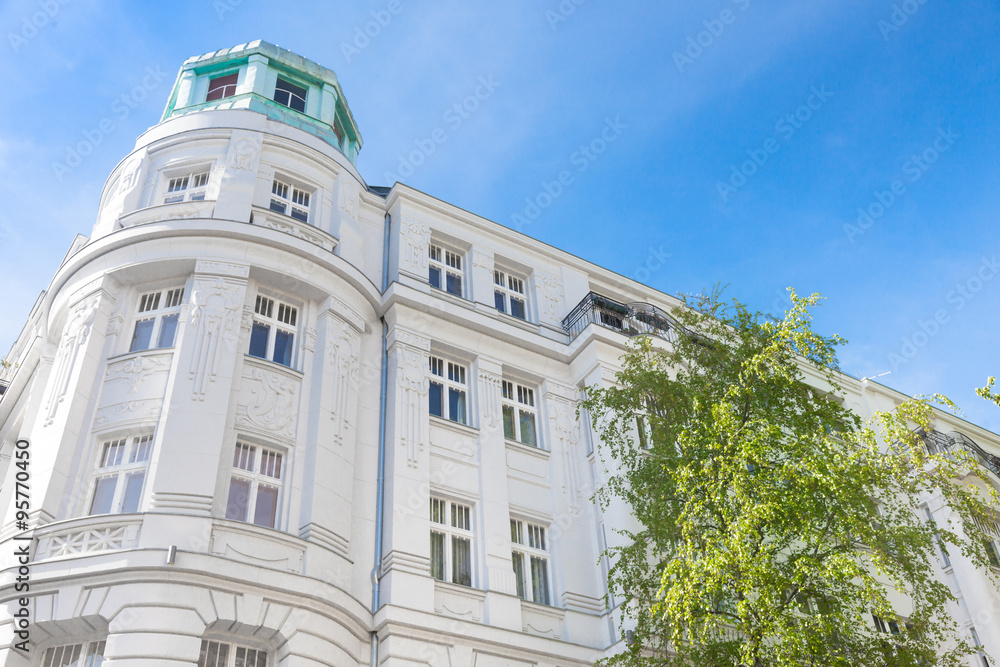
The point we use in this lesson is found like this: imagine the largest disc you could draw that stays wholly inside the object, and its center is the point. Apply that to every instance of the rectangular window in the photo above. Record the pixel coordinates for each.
(519, 413)
(451, 541)
(90, 654)
(221, 654)
(508, 294)
(445, 270)
(290, 200)
(447, 392)
(221, 87)
(190, 186)
(156, 320)
(288, 94)
(255, 486)
(120, 475)
(533, 581)
(272, 335)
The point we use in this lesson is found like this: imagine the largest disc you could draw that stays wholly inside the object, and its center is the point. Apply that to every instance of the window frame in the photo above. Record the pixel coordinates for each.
(186, 184)
(291, 198)
(445, 262)
(529, 544)
(89, 650)
(126, 465)
(512, 395)
(232, 650)
(167, 304)
(256, 478)
(291, 94)
(271, 319)
(453, 512)
(215, 76)
(443, 373)
(505, 293)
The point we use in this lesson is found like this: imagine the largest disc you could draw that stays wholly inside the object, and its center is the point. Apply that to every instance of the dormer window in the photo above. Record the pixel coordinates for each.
(288, 94)
(221, 87)
(290, 200)
(189, 187)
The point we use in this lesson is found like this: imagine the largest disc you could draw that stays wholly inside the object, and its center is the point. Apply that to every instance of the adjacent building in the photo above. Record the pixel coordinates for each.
(277, 416)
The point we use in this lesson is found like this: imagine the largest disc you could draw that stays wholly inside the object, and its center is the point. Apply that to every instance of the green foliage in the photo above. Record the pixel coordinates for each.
(772, 522)
(987, 391)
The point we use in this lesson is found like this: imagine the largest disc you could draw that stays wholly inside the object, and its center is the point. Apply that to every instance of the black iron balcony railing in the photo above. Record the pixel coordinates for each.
(633, 319)
(942, 443)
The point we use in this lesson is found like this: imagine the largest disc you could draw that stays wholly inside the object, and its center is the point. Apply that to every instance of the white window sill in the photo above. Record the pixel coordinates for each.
(273, 365)
(537, 452)
(464, 429)
(516, 321)
(453, 298)
(141, 353)
(459, 589)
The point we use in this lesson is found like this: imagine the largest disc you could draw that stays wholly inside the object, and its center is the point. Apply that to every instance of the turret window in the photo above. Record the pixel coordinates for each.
(191, 186)
(222, 86)
(121, 473)
(273, 333)
(288, 94)
(255, 485)
(90, 654)
(156, 320)
(290, 200)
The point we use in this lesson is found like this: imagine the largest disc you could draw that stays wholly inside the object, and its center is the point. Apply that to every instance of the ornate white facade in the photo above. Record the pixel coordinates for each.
(201, 393)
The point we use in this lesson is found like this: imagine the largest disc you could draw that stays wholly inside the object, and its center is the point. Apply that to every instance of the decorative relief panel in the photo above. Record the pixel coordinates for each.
(133, 371)
(268, 402)
(344, 353)
(566, 428)
(302, 230)
(349, 194)
(90, 539)
(220, 268)
(215, 317)
(551, 298)
(411, 369)
(77, 329)
(414, 239)
(489, 392)
(129, 411)
(244, 152)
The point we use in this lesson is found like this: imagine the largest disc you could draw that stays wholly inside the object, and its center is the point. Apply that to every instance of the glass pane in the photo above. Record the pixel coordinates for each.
(277, 206)
(435, 397)
(508, 422)
(517, 308)
(456, 405)
(461, 561)
(539, 580)
(267, 506)
(527, 423)
(283, 347)
(168, 329)
(454, 284)
(239, 494)
(141, 335)
(258, 340)
(519, 574)
(434, 276)
(133, 491)
(241, 657)
(104, 494)
(222, 658)
(300, 214)
(72, 658)
(437, 556)
(500, 301)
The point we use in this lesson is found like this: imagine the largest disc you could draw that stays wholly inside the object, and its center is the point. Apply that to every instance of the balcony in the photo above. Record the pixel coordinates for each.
(633, 319)
(942, 443)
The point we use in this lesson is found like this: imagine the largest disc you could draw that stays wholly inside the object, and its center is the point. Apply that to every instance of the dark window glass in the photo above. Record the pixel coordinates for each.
(519, 573)
(454, 284)
(239, 495)
(290, 95)
(278, 206)
(500, 302)
(508, 422)
(437, 404)
(434, 276)
(141, 336)
(104, 493)
(437, 556)
(299, 214)
(168, 329)
(133, 491)
(461, 561)
(456, 405)
(266, 508)
(221, 86)
(517, 308)
(258, 340)
(283, 347)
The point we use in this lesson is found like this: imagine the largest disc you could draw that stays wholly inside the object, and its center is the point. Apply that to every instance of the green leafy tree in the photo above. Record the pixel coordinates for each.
(772, 522)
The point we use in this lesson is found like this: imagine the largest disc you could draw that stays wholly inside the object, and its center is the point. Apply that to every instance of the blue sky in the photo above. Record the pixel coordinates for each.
(882, 106)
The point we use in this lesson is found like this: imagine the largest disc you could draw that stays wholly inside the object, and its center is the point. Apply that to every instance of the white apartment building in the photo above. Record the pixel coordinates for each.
(278, 417)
